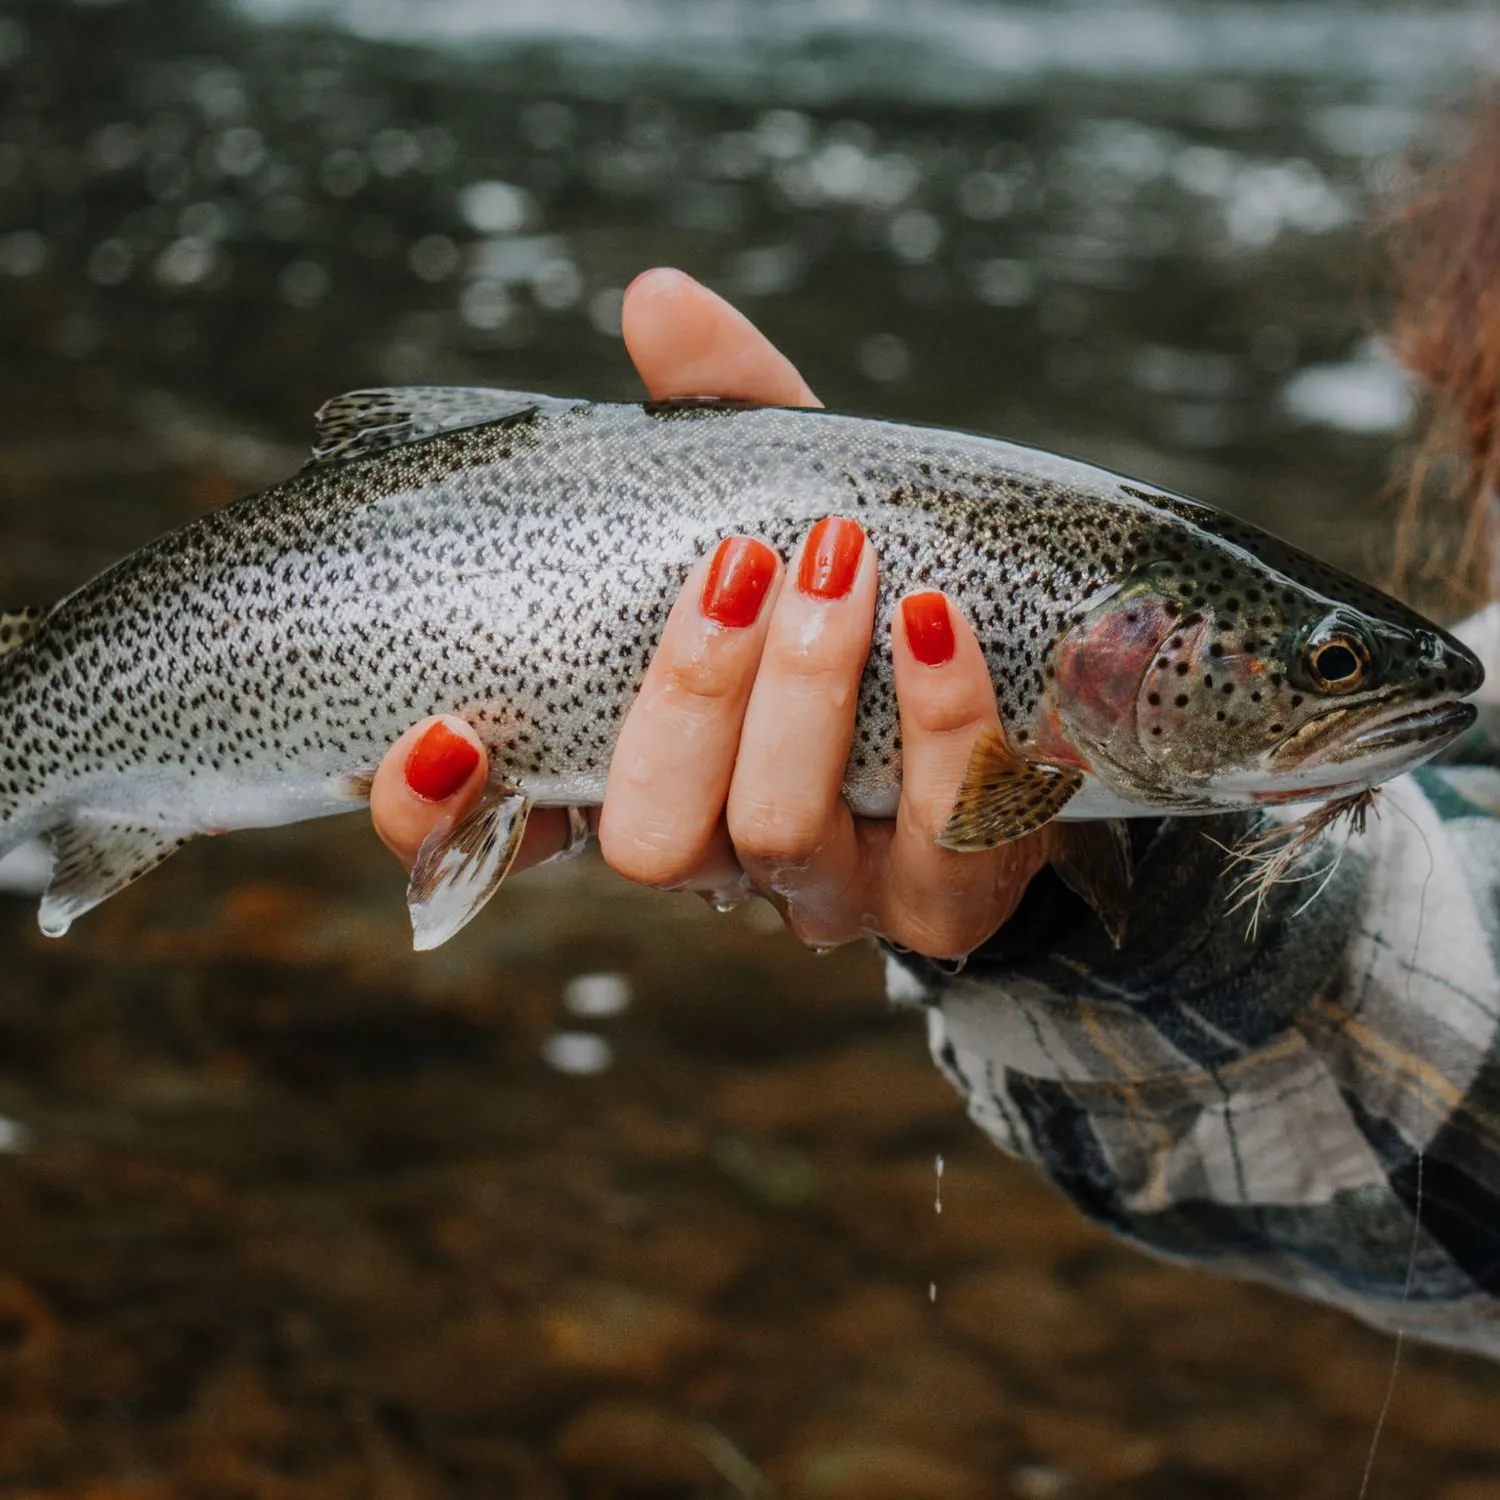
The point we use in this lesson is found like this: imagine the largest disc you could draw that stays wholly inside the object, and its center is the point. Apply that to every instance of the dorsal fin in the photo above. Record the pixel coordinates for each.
(17, 626)
(360, 423)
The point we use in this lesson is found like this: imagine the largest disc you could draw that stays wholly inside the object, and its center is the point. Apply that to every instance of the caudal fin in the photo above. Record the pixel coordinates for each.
(74, 862)
(17, 627)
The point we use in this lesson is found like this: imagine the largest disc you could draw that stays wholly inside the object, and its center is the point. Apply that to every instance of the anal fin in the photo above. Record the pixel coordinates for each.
(91, 861)
(1003, 797)
(461, 865)
(1093, 860)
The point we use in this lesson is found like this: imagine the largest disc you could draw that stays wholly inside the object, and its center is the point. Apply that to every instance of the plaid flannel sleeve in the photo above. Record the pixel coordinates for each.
(1317, 1106)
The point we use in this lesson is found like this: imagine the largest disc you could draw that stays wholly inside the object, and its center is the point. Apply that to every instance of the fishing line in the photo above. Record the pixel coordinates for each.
(1416, 1227)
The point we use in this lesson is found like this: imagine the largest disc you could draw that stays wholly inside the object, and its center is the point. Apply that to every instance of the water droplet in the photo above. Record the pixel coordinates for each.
(884, 357)
(434, 257)
(240, 151)
(485, 305)
(203, 221)
(115, 147)
(580, 1054)
(110, 262)
(185, 262)
(395, 151)
(604, 310)
(23, 253)
(915, 236)
(557, 285)
(547, 124)
(495, 207)
(782, 134)
(595, 996)
(304, 284)
(12, 41)
(344, 172)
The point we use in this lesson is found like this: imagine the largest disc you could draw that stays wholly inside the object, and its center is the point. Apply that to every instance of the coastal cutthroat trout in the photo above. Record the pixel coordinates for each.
(512, 558)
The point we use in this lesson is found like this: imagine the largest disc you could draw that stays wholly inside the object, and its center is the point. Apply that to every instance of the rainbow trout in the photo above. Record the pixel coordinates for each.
(512, 558)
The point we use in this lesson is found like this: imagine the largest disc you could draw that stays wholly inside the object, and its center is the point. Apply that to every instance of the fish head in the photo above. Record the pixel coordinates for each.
(1233, 682)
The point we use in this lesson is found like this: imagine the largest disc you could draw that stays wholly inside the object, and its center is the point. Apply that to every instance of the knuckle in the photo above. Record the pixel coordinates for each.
(662, 857)
(821, 667)
(774, 834)
(696, 682)
(943, 930)
(946, 709)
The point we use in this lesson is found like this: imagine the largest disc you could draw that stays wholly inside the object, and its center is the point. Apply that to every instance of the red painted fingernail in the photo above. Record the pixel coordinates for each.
(440, 762)
(929, 628)
(737, 581)
(831, 558)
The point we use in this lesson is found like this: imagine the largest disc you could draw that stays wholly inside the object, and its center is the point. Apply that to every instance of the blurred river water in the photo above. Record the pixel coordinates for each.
(616, 1196)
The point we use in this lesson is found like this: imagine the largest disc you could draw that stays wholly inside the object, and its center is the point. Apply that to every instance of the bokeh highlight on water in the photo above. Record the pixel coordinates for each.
(619, 1196)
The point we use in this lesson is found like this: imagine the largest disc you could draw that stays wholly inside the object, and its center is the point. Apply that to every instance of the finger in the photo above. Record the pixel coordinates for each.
(688, 341)
(431, 775)
(790, 826)
(672, 764)
(934, 900)
(410, 794)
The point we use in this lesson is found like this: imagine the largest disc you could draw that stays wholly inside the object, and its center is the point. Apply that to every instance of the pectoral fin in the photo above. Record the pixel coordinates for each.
(1093, 860)
(1002, 797)
(91, 861)
(460, 867)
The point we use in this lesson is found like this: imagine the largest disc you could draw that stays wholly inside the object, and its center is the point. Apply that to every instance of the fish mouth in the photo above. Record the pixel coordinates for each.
(1399, 736)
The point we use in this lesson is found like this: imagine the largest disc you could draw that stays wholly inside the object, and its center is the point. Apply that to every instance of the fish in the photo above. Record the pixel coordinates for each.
(511, 557)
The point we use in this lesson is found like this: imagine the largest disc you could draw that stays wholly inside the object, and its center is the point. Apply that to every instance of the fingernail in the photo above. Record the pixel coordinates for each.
(831, 558)
(929, 628)
(440, 762)
(738, 580)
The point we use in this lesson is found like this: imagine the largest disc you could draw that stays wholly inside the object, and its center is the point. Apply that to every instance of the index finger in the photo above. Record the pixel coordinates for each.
(688, 341)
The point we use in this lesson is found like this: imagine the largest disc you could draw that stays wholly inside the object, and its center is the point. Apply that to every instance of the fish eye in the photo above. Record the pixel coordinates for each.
(1337, 663)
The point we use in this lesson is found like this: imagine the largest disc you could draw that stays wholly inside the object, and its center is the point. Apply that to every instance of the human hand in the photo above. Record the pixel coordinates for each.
(732, 757)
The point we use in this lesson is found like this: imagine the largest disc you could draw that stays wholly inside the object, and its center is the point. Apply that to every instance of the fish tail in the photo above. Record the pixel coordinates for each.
(25, 857)
(17, 627)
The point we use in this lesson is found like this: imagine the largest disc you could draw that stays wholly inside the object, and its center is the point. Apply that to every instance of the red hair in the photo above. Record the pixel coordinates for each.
(1447, 330)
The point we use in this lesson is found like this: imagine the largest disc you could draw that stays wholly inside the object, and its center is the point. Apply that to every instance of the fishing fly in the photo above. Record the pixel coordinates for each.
(1271, 855)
